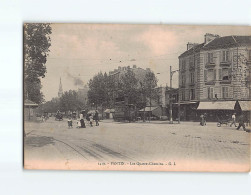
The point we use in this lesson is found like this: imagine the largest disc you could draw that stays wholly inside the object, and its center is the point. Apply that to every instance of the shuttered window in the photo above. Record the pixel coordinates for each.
(225, 56)
(220, 74)
(225, 92)
(210, 92)
(205, 75)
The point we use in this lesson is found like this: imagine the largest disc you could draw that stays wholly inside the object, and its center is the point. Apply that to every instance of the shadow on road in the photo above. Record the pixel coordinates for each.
(38, 141)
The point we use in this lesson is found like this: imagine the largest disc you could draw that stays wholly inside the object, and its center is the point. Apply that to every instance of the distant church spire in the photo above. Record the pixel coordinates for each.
(60, 91)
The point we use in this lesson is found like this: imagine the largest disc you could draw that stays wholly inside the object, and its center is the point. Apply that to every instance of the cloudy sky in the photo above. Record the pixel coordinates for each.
(79, 51)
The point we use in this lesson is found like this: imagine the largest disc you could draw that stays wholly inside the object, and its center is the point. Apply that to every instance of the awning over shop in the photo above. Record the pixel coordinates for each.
(186, 103)
(245, 105)
(30, 103)
(109, 111)
(224, 105)
(148, 109)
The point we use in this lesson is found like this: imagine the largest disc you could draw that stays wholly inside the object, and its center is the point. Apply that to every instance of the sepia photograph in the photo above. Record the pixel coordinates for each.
(136, 97)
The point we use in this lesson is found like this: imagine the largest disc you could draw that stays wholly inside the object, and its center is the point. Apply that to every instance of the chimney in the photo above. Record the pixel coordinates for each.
(134, 66)
(148, 69)
(191, 45)
(119, 67)
(209, 37)
(128, 67)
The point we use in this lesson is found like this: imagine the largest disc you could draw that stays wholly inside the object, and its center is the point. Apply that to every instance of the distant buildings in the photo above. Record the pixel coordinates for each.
(140, 73)
(216, 70)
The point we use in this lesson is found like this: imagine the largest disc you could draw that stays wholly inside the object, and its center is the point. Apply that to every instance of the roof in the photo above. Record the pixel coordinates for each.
(224, 105)
(245, 105)
(148, 109)
(194, 49)
(30, 103)
(228, 42)
(220, 43)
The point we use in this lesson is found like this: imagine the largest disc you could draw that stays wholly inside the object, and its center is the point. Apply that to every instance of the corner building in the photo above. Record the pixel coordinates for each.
(216, 70)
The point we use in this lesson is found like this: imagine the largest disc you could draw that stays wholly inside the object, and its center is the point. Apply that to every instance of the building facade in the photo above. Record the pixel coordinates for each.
(216, 70)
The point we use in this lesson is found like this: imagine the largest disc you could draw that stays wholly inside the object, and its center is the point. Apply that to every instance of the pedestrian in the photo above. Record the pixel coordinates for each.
(241, 122)
(91, 120)
(69, 122)
(82, 120)
(202, 120)
(205, 119)
(78, 124)
(96, 118)
(233, 120)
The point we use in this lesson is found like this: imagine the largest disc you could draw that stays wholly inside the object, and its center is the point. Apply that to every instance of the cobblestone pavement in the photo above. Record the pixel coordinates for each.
(187, 145)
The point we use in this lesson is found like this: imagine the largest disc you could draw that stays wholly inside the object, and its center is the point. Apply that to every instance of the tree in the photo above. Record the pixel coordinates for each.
(97, 90)
(129, 87)
(149, 83)
(70, 101)
(36, 49)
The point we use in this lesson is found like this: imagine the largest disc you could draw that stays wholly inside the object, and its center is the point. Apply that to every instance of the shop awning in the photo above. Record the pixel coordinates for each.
(224, 105)
(109, 111)
(148, 109)
(30, 103)
(245, 105)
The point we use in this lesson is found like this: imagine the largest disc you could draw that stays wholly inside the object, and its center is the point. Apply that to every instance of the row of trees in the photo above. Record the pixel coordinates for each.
(103, 89)
(69, 101)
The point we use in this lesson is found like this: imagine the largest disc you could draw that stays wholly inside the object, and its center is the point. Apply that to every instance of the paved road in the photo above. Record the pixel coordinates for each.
(188, 145)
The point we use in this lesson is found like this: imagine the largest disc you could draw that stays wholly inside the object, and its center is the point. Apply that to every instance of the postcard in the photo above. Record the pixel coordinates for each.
(136, 97)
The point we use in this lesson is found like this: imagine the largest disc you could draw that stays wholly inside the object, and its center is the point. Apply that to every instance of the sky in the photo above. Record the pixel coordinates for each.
(79, 51)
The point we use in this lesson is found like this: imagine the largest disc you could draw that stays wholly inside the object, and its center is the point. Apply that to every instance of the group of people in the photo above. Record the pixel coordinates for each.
(241, 120)
(90, 118)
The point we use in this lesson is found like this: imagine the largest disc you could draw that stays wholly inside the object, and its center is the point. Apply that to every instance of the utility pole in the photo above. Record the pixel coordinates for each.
(170, 99)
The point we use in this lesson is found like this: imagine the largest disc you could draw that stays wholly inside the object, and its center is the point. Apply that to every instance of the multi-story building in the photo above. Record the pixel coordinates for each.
(216, 70)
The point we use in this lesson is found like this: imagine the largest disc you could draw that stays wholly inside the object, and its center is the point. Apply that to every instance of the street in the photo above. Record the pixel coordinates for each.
(136, 146)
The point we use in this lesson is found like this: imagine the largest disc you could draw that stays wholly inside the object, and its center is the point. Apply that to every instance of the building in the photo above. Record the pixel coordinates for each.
(60, 90)
(30, 109)
(215, 70)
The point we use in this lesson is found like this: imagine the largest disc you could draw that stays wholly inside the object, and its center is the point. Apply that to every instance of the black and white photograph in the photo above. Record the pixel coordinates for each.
(136, 97)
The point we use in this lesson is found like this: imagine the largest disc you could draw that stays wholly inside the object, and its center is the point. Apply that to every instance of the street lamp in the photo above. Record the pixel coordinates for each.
(170, 101)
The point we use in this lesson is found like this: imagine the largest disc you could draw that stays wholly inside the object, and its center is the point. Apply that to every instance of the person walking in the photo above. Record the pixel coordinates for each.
(241, 122)
(91, 120)
(233, 120)
(96, 118)
(82, 122)
(202, 120)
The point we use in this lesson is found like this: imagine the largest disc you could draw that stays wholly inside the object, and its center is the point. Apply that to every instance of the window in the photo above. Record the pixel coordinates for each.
(192, 94)
(183, 64)
(225, 92)
(210, 58)
(183, 80)
(182, 95)
(225, 56)
(191, 62)
(211, 75)
(192, 77)
(225, 74)
(210, 92)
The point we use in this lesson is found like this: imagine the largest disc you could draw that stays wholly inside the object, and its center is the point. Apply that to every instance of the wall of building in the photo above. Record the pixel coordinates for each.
(236, 86)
